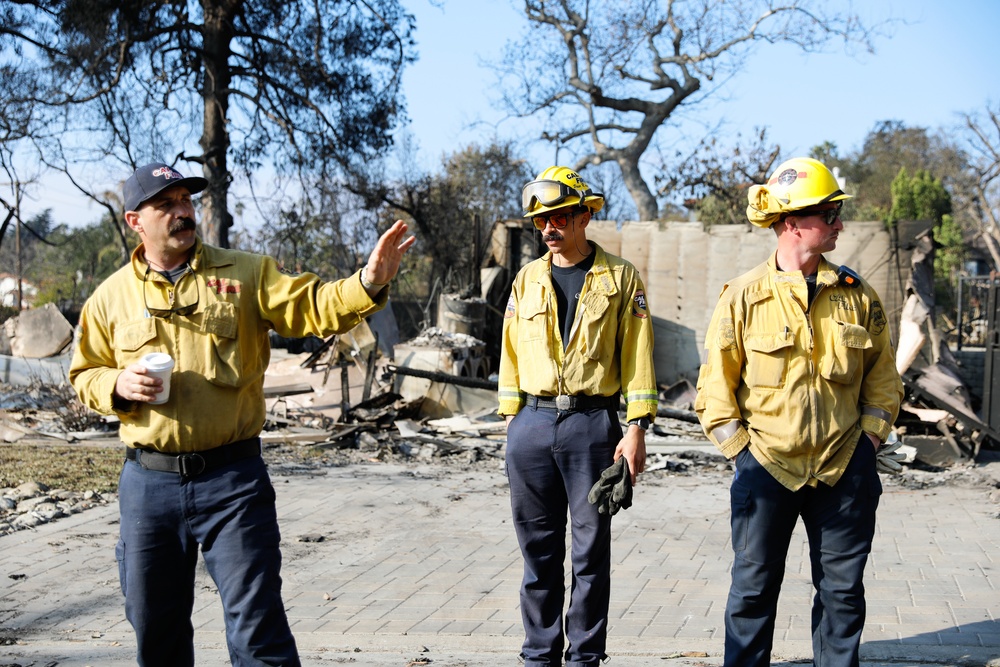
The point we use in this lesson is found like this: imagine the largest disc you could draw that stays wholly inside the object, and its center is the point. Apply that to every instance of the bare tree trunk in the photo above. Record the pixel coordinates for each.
(124, 252)
(218, 34)
(645, 202)
(989, 235)
(991, 245)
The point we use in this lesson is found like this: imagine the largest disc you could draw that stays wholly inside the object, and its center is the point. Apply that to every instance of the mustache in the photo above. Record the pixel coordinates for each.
(181, 225)
(552, 237)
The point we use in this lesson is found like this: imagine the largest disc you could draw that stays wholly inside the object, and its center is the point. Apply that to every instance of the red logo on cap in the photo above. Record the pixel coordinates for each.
(166, 171)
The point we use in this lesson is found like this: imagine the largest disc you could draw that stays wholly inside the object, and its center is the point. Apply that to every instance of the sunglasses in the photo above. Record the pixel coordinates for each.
(559, 220)
(183, 311)
(829, 215)
(549, 193)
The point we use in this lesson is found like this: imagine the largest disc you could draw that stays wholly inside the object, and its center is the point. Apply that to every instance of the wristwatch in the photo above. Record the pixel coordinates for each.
(641, 422)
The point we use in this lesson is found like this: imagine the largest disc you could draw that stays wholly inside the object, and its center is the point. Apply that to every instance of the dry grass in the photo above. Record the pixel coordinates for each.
(68, 467)
(90, 467)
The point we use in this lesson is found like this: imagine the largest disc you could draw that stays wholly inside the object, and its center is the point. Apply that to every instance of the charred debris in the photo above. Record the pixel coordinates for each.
(433, 396)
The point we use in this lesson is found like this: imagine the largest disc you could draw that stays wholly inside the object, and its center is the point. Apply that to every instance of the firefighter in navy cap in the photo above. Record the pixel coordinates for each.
(193, 478)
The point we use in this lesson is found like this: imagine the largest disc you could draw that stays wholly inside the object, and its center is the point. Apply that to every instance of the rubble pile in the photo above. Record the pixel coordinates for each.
(917, 476)
(50, 410)
(36, 396)
(33, 503)
(687, 462)
(384, 429)
(388, 427)
(437, 337)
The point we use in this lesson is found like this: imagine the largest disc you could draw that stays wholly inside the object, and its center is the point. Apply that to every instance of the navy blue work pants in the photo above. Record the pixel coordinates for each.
(230, 513)
(840, 525)
(553, 459)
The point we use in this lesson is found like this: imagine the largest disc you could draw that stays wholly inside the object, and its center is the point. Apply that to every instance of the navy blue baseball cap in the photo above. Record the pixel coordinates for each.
(149, 180)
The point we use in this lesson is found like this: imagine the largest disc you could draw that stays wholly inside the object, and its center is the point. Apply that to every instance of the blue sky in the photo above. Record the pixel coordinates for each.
(941, 59)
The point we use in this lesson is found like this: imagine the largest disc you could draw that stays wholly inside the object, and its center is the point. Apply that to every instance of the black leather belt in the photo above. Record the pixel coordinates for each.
(572, 403)
(194, 463)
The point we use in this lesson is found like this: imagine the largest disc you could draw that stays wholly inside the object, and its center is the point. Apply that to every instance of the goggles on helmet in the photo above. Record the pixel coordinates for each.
(549, 193)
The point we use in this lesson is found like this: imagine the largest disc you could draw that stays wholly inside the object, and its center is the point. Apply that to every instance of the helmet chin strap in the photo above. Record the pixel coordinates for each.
(576, 241)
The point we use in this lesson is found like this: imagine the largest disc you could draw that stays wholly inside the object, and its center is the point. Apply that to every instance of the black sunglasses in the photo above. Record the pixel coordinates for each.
(183, 311)
(829, 215)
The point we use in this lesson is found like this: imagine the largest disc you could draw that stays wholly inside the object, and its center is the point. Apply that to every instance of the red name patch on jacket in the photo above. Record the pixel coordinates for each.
(223, 286)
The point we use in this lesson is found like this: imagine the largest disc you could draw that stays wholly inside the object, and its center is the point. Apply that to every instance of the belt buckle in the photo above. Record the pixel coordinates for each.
(191, 464)
(563, 402)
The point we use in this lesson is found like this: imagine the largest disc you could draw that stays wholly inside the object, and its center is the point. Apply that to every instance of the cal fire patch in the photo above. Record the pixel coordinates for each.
(727, 334)
(639, 304)
(878, 318)
(788, 176)
(511, 308)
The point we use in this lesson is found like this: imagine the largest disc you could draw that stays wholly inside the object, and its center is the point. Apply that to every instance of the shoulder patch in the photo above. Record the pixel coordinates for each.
(726, 336)
(511, 309)
(639, 305)
(877, 319)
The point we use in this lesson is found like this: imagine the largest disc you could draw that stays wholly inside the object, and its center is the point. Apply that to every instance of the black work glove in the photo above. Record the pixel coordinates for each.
(613, 491)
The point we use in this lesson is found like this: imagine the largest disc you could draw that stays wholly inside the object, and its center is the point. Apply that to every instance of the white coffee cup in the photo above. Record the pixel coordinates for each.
(159, 365)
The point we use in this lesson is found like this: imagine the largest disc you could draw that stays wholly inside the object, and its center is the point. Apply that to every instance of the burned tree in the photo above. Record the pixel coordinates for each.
(608, 75)
(304, 87)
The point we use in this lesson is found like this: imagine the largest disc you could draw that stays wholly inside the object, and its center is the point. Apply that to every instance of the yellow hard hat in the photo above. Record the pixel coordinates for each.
(795, 185)
(558, 187)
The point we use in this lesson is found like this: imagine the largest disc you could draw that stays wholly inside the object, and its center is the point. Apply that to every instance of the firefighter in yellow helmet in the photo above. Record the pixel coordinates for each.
(577, 337)
(799, 387)
(800, 184)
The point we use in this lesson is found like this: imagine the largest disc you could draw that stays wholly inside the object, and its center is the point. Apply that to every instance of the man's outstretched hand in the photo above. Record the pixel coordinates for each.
(384, 261)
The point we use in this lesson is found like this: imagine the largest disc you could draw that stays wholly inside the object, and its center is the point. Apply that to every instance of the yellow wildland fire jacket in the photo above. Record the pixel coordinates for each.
(221, 349)
(610, 347)
(797, 384)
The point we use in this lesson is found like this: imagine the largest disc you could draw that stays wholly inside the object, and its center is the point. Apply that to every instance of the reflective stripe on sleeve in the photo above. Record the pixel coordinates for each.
(877, 413)
(641, 395)
(510, 394)
(724, 433)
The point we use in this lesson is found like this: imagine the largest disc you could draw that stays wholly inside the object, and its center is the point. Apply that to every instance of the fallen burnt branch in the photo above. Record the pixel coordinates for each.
(680, 415)
(458, 380)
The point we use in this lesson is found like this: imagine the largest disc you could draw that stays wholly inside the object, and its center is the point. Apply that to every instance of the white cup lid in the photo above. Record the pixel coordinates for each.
(157, 361)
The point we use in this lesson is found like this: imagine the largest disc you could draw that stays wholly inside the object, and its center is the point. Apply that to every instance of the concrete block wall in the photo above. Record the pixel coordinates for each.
(685, 267)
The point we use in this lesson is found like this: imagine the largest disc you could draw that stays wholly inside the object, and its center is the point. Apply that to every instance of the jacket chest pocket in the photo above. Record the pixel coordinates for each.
(767, 360)
(846, 353)
(132, 341)
(223, 365)
(592, 309)
(531, 325)
(533, 336)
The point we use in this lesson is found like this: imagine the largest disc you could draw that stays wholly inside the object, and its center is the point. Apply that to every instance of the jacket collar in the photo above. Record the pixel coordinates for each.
(202, 257)
(826, 273)
(603, 277)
